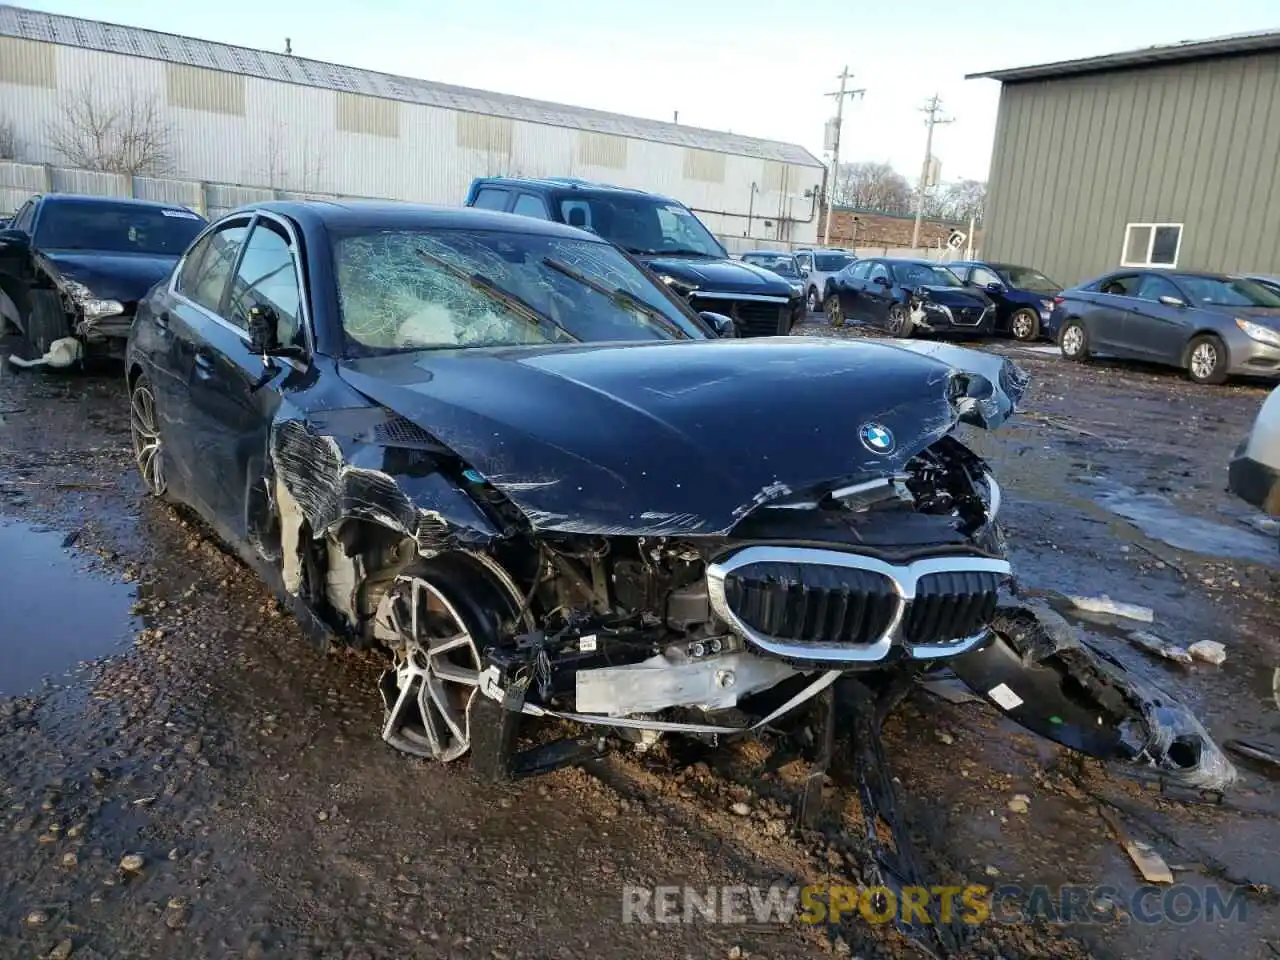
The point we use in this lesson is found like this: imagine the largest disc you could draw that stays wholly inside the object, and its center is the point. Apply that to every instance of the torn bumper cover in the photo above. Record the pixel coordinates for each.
(1039, 674)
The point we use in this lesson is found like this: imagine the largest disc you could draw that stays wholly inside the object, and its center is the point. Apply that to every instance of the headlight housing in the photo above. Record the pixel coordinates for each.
(930, 307)
(92, 306)
(1256, 331)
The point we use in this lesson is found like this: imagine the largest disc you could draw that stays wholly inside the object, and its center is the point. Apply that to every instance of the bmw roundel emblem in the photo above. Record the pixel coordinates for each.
(876, 437)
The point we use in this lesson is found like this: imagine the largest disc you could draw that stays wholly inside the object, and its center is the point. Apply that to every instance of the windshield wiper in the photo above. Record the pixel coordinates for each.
(515, 304)
(667, 252)
(617, 294)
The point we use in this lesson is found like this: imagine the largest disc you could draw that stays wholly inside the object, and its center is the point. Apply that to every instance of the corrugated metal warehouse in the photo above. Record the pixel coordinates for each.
(264, 119)
(1158, 157)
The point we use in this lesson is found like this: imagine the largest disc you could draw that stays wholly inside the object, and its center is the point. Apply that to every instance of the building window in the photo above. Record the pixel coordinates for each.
(1151, 245)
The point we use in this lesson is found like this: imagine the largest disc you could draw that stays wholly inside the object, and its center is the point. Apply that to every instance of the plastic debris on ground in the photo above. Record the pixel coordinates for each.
(1159, 646)
(1105, 605)
(1254, 751)
(1210, 651)
(1149, 863)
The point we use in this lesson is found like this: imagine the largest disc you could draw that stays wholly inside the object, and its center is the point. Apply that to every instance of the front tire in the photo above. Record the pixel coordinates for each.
(1207, 359)
(899, 321)
(46, 322)
(831, 307)
(1073, 341)
(1025, 326)
(144, 427)
(437, 618)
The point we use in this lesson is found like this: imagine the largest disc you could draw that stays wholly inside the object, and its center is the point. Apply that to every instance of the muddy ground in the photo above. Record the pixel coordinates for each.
(154, 701)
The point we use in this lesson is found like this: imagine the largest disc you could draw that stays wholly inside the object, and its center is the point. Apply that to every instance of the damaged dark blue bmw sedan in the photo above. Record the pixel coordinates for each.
(498, 449)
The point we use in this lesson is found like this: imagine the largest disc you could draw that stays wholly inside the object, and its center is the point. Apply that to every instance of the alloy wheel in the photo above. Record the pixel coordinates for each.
(144, 427)
(897, 320)
(1023, 326)
(832, 309)
(1073, 340)
(812, 300)
(1204, 360)
(435, 677)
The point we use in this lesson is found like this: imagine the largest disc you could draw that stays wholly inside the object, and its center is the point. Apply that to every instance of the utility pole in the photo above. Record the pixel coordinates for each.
(835, 148)
(933, 110)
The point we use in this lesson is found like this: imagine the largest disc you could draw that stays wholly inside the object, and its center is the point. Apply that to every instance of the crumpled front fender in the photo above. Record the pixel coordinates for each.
(993, 385)
(1043, 677)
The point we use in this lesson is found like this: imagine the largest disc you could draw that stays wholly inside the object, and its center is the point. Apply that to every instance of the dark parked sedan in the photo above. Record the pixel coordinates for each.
(1024, 297)
(1211, 325)
(907, 297)
(73, 268)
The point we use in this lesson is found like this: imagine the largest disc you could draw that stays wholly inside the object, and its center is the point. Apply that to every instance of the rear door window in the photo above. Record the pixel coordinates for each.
(491, 198)
(527, 205)
(208, 280)
(860, 270)
(1120, 284)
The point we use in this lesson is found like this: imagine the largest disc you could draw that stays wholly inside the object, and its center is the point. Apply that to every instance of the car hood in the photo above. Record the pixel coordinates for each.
(954, 296)
(662, 439)
(111, 276)
(721, 276)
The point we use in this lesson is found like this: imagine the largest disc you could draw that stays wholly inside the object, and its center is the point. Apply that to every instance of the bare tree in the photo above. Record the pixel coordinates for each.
(957, 201)
(8, 141)
(872, 186)
(125, 132)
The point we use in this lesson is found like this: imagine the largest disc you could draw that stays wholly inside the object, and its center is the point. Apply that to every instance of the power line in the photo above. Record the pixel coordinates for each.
(933, 110)
(840, 94)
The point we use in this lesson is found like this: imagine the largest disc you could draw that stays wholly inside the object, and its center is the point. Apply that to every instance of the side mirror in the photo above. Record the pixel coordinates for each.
(721, 325)
(264, 336)
(1173, 301)
(883, 281)
(804, 274)
(994, 287)
(14, 241)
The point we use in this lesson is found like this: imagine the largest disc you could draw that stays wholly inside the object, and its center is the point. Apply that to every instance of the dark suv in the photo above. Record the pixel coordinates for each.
(662, 234)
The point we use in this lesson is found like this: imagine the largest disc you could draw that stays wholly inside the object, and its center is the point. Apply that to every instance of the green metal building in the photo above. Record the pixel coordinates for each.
(1167, 156)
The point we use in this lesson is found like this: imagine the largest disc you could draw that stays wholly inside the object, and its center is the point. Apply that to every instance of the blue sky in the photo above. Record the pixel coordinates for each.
(751, 66)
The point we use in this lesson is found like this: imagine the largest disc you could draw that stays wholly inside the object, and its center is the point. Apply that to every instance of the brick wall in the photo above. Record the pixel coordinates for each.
(886, 230)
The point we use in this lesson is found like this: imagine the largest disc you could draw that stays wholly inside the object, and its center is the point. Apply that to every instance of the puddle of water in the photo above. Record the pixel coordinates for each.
(54, 613)
(1159, 519)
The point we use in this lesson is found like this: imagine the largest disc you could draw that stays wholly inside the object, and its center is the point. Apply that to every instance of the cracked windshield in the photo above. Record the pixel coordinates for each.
(404, 290)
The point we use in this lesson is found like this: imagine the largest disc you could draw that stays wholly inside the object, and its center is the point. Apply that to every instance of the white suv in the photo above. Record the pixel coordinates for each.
(822, 264)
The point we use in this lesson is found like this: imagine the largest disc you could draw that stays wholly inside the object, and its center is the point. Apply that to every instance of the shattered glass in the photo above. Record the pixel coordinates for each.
(397, 292)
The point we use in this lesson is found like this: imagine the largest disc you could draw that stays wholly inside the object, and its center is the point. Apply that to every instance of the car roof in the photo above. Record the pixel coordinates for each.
(385, 214)
(568, 183)
(768, 253)
(57, 198)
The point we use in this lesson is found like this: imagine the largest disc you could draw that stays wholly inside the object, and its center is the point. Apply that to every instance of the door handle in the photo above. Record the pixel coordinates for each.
(204, 366)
